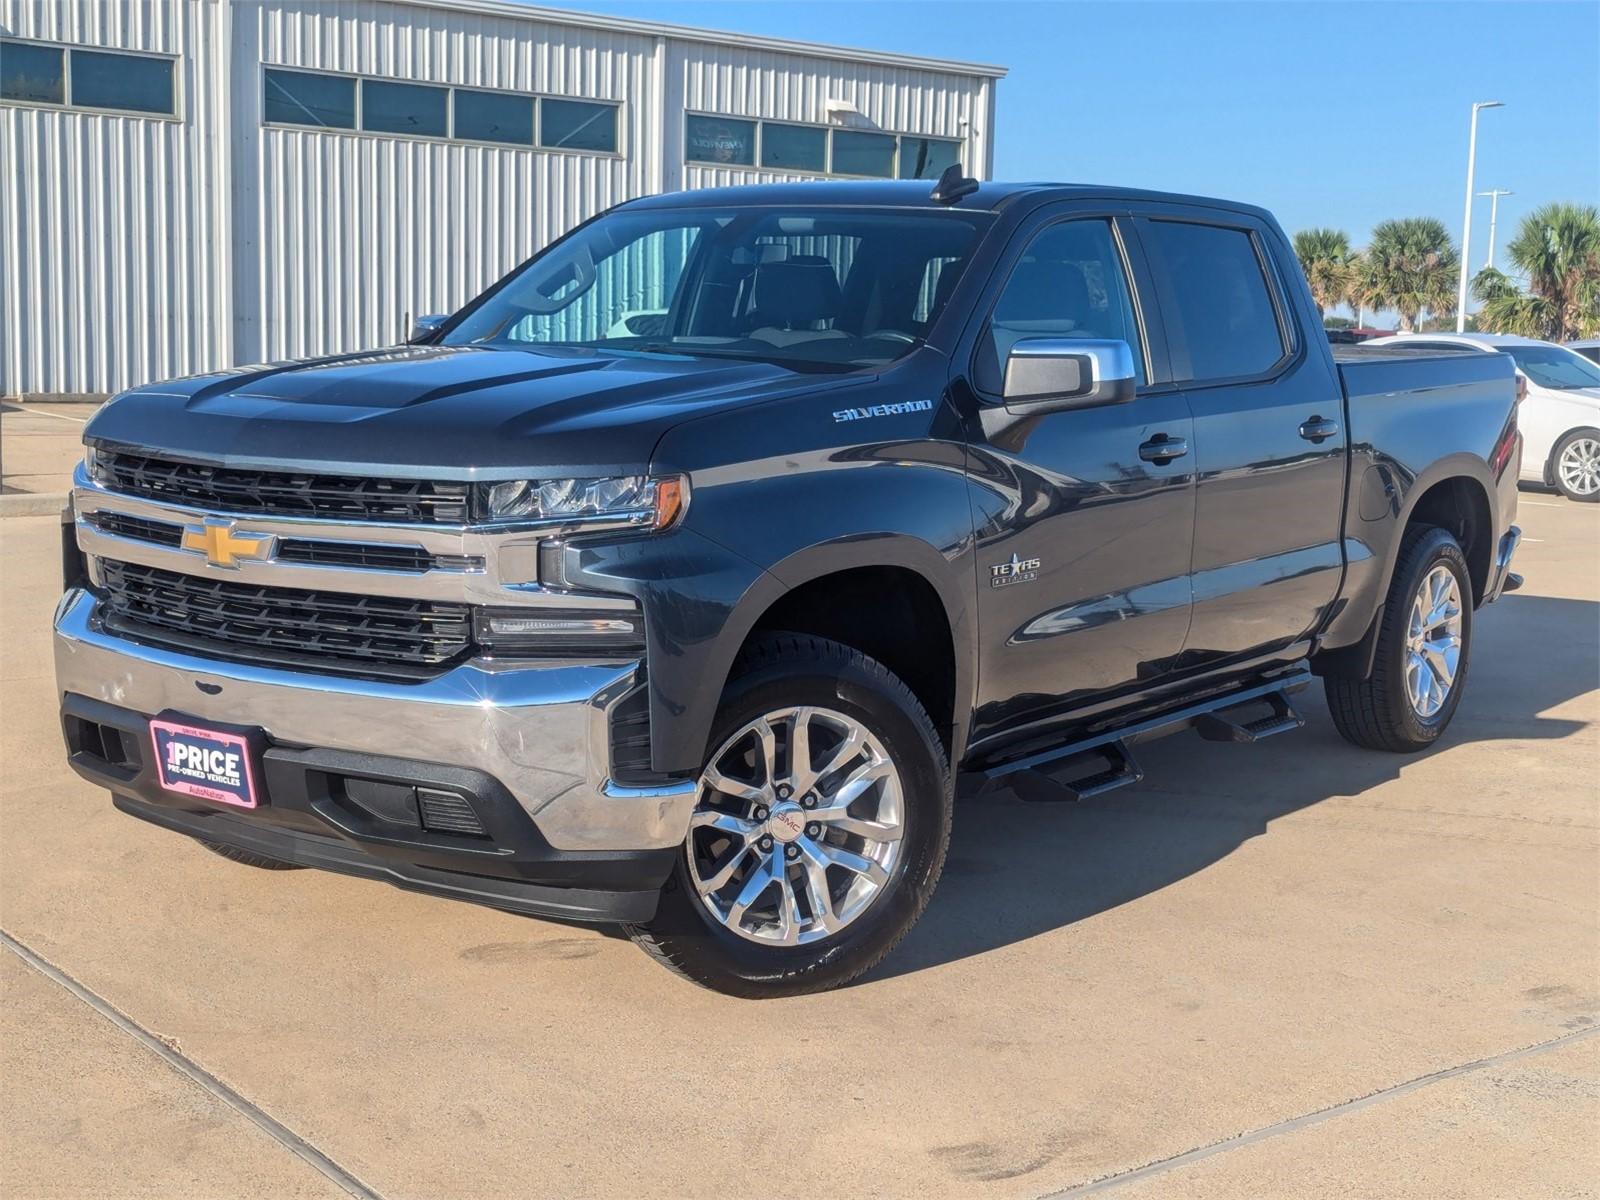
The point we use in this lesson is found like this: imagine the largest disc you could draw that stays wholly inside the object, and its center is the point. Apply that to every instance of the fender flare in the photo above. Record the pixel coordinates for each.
(867, 550)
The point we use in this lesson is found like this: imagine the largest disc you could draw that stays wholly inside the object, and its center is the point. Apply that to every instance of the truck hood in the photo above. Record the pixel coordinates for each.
(444, 411)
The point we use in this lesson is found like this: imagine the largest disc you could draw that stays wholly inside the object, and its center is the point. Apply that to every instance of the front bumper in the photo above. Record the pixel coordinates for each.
(534, 738)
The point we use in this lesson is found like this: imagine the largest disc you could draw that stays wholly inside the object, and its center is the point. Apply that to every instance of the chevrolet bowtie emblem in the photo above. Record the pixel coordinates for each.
(222, 546)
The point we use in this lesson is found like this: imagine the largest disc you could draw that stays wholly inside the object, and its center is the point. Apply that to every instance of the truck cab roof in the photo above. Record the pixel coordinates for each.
(917, 193)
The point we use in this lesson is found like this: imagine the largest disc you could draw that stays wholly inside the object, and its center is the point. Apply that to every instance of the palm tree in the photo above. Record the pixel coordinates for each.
(1557, 248)
(1324, 256)
(1412, 265)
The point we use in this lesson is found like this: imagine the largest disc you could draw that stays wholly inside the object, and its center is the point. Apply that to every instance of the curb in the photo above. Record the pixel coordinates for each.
(33, 504)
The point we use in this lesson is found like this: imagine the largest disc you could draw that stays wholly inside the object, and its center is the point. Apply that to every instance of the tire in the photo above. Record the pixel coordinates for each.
(1380, 712)
(1575, 466)
(234, 854)
(784, 679)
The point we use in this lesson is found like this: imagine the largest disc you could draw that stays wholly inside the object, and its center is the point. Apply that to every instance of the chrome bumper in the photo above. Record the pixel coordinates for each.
(540, 729)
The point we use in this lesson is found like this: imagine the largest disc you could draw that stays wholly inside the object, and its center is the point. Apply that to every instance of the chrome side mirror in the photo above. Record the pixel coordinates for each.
(423, 328)
(1047, 374)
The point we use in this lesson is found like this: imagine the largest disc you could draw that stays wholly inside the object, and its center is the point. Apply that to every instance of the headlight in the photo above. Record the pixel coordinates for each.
(92, 465)
(623, 501)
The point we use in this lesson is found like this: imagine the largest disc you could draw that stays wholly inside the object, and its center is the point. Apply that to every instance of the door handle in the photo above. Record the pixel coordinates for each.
(1163, 449)
(1319, 430)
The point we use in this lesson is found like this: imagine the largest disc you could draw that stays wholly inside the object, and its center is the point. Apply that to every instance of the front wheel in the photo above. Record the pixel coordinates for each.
(819, 831)
(1424, 640)
(1575, 465)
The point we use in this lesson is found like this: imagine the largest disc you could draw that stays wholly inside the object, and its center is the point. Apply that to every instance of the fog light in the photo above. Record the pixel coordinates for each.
(558, 631)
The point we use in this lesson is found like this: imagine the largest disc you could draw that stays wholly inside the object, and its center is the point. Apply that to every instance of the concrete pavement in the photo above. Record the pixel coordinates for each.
(1293, 969)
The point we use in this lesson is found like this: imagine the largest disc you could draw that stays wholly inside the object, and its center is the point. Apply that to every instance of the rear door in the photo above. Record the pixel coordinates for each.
(1269, 443)
(1082, 530)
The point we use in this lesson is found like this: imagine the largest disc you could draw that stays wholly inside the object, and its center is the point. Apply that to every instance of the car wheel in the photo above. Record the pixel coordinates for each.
(1424, 641)
(819, 830)
(233, 854)
(1575, 465)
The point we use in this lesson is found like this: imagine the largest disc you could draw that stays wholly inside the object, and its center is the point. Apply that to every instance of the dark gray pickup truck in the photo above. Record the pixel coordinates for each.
(676, 580)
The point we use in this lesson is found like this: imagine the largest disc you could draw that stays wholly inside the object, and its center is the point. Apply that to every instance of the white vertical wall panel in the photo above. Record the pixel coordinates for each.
(744, 82)
(357, 232)
(113, 229)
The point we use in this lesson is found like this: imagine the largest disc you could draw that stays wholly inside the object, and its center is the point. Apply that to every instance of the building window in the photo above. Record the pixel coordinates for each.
(578, 125)
(859, 153)
(429, 110)
(493, 117)
(927, 158)
(794, 147)
(413, 108)
(304, 98)
(721, 141)
(32, 74)
(130, 82)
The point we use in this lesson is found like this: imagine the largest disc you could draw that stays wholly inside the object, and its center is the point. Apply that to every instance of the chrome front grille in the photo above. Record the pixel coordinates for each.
(293, 627)
(285, 493)
(365, 556)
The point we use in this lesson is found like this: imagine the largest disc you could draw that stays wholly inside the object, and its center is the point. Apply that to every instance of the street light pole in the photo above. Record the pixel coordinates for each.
(1494, 195)
(1466, 216)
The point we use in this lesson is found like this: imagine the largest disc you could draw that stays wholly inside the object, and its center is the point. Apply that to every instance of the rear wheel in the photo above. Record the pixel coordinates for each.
(233, 854)
(819, 831)
(1575, 465)
(1420, 666)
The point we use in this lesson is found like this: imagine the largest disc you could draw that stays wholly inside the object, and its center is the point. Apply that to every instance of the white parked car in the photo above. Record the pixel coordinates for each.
(1560, 415)
(1589, 348)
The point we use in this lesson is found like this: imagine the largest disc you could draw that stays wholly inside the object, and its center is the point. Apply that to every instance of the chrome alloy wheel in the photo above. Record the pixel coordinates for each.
(1579, 466)
(1433, 641)
(797, 828)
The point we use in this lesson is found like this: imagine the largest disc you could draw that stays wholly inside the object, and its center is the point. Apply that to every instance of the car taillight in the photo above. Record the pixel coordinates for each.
(1506, 444)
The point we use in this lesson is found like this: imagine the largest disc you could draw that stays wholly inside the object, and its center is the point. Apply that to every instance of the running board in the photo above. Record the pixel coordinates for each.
(1058, 773)
(1227, 725)
(1117, 768)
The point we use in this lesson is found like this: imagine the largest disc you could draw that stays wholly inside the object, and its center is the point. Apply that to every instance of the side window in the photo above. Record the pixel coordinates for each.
(1069, 283)
(1223, 300)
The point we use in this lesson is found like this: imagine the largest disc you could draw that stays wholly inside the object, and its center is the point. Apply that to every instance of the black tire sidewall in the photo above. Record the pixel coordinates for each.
(885, 707)
(1435, 547)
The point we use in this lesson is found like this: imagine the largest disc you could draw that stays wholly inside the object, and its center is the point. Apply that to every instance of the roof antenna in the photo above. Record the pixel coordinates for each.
(952, 186)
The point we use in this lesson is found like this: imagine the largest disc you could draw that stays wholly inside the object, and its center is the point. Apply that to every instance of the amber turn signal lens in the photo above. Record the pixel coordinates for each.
(672, 497)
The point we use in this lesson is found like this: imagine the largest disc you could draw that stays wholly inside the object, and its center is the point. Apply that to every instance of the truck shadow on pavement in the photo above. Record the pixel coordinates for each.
(1017, 870)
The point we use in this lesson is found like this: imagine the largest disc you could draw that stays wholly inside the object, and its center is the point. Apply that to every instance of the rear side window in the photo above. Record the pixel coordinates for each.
(1222, 297)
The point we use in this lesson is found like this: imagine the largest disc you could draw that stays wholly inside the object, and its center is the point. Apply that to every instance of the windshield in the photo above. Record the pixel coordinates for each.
(822, 288)
(1555, 367)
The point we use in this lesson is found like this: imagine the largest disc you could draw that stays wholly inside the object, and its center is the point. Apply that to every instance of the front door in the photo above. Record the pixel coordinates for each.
(1269, 437)
(1083, 518)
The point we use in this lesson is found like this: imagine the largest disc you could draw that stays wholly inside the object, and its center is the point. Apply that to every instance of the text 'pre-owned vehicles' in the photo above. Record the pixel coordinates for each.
(1560, 411)
(674, 581)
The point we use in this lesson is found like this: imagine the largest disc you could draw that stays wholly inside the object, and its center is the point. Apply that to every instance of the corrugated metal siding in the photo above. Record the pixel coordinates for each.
(735, 81)
(113, 269)
(358, 232)
(134, 249)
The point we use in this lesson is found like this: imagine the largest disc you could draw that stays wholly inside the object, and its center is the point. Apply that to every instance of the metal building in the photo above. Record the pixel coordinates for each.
(194, 184)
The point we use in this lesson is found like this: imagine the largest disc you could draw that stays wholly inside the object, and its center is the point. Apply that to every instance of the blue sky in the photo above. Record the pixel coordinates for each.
(1328, 114)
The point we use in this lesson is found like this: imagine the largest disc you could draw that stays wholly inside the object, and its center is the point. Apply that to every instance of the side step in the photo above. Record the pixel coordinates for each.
(1117, 768)
(1227, 725)
(1102, 762)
